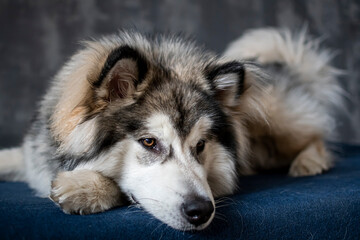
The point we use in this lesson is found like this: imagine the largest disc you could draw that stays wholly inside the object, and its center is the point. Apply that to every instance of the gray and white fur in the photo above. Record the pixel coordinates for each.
(170, 126)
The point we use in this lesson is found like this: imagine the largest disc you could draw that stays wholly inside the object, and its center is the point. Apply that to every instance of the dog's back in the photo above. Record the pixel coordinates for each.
(298, 100)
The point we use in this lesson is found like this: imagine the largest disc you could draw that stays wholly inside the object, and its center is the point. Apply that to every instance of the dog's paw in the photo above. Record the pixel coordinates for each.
(84, 192)
(306, 167)
(313, 160)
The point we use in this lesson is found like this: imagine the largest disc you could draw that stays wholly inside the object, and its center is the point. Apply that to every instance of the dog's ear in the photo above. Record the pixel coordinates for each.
(124, 69)
(227, 81)
(92, 81)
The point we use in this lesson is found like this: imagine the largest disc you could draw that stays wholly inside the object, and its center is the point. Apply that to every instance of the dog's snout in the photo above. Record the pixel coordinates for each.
(197, 210)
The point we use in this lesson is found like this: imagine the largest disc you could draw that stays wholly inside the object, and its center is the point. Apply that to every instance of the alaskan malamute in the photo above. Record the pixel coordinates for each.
(169, 126)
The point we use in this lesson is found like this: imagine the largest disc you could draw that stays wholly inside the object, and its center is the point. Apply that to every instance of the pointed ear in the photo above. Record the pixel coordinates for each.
(124, 69)
(228, 81)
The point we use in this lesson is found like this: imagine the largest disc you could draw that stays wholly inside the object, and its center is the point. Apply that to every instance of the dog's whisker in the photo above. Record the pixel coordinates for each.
(159, 225)
(219, 214)
(221, 218)
(223, 199)
(134, 210)
(151, 199)
(223, 205)
(172, 190)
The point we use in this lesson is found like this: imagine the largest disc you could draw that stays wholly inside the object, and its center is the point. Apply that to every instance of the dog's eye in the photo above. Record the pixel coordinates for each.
(200, 146)
(148, 142)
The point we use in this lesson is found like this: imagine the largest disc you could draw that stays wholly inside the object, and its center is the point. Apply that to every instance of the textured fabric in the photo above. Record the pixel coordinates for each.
(266, 207)
(37, 37)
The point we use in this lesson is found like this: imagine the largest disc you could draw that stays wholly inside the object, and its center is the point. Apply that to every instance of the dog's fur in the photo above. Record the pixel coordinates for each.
(170, 127)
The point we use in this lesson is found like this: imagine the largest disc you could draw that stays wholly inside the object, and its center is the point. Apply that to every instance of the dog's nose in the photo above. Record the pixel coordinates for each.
(197, 210)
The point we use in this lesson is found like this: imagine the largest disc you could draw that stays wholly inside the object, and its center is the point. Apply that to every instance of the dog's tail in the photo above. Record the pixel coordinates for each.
(12, 165)
(301, 70)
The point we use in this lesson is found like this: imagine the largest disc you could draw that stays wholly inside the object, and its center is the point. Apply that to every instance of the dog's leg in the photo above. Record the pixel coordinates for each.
(84, 192)
(314, 159)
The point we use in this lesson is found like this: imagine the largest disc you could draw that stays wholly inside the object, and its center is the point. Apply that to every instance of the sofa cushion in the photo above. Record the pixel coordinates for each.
(267, 206)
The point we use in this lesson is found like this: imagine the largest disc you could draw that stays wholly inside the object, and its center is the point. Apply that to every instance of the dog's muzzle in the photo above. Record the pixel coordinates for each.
(197, 210)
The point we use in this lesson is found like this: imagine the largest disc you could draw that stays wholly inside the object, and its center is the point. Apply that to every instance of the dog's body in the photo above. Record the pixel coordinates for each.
(173, 126)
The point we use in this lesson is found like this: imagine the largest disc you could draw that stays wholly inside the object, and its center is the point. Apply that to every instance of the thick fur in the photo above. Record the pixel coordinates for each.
(207, 119)
(299, 98)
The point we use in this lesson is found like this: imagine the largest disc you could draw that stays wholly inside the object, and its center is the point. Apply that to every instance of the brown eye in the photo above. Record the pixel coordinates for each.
(148, 142)
(200, 146)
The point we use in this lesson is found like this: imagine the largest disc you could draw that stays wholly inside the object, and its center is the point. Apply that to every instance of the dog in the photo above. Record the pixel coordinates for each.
(169, 126)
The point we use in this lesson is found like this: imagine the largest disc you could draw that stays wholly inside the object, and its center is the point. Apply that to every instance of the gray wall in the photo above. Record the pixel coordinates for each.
(36, 37)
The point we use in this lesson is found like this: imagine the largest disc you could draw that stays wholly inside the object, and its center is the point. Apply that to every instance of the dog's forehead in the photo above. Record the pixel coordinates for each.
(162, 126)
(182, 105)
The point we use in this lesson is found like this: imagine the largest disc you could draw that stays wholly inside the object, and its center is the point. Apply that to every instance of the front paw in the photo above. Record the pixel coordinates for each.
(84, 192)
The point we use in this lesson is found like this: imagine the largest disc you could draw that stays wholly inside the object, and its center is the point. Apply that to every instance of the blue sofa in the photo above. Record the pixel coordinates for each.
(267, 206)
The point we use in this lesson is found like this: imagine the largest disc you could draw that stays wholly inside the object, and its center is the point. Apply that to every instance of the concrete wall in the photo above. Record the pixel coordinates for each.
(36, 37)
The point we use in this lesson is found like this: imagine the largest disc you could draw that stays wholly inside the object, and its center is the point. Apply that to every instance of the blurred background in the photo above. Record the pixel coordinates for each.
(37, 37)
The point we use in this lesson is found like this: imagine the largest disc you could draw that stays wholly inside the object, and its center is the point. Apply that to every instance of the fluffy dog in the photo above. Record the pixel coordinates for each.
(169, 126)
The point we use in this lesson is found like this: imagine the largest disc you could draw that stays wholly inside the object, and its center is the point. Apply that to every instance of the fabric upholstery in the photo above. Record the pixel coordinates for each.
(267, 206)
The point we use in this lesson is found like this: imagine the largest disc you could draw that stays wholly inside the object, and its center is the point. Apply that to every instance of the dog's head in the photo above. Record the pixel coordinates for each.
(154, 116)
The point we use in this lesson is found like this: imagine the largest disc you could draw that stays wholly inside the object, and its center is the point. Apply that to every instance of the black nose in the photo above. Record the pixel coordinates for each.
(197, 210)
